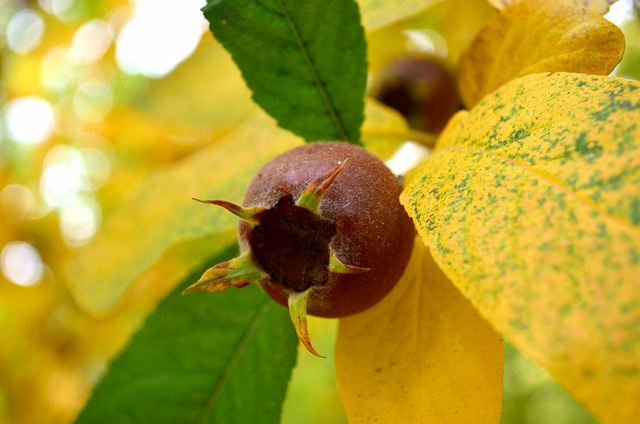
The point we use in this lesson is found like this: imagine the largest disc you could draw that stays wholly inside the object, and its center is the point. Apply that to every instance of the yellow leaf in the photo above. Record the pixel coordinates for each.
(443, 28)
(534, 36)
(531, 205)
(378, 13)
(422, 355)
(384, 130)
(598, 6)
(207, 91)
(159, 213)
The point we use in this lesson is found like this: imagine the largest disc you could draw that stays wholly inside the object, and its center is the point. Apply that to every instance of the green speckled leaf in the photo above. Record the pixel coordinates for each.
(531, 206)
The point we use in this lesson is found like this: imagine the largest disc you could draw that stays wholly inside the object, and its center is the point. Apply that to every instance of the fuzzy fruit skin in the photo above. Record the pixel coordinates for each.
(372, 228)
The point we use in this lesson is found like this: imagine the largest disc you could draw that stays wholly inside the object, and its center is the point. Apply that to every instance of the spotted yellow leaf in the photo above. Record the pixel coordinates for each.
(531, 205)
(422, 355)
(598, 6)
(533, 36)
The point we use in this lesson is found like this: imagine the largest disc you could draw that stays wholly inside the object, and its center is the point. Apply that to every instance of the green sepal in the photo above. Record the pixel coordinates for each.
(298, 313)
(312, 195)
(338, 267)
(238, 272)
(250, 215)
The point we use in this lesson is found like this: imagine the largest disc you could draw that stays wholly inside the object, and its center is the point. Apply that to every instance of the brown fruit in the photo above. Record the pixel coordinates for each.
(322, 232)
(420, 88)
(372, 230)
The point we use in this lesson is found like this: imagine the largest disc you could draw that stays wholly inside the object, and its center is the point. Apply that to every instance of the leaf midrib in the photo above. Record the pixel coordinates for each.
(237, 353)
(322, 90)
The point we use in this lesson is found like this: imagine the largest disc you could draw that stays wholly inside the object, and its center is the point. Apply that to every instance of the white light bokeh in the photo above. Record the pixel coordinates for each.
(59, 8)
(620, 12)
(79, 221)
(18, 200)
(161, 34)
(91, 41)
(426, 41)
(407, 157)
(63, 177)
(29, 119)
(25, 31)
(21, 263)
(98, 167)
(93, 100)
(57, 69)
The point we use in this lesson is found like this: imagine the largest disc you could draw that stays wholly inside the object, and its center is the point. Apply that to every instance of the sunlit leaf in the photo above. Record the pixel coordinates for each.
(531, 205)
(305, 62)
(598, 6)
(377, 13)
(384, 130)
(180, 99)
(533, 36)
(213, 358)
(422, 355)
(160, 213)
(442, 28)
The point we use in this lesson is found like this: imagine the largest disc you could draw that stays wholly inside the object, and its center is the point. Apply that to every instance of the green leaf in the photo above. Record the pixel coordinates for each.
(208, 358)
(531, 206)
(305, 62)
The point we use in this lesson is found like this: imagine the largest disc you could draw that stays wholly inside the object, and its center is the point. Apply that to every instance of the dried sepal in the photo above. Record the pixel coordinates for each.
(238, 272)
(250, 215)
(298, 313)
(337, 266)
(312, 195)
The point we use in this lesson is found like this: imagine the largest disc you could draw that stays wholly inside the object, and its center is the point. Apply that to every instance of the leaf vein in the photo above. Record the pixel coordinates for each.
(234, 359)
(315, 74)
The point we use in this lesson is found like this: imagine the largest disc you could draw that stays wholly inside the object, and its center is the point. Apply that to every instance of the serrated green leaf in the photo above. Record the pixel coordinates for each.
(208, 358)
(305, 62)
(531, 205)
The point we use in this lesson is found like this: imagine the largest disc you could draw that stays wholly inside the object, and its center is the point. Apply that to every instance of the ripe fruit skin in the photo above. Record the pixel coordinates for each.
(372, 230)
(421, 88)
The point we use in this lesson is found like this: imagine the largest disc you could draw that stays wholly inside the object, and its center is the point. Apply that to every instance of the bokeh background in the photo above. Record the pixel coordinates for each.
(96, 96)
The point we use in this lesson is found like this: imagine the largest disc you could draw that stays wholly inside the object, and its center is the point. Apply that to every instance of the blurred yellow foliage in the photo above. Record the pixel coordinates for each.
(82, 129)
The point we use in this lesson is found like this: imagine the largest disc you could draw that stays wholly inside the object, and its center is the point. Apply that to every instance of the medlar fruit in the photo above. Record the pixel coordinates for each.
(322, 232)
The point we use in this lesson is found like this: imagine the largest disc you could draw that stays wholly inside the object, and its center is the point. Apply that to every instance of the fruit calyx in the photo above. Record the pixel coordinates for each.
(289, 246)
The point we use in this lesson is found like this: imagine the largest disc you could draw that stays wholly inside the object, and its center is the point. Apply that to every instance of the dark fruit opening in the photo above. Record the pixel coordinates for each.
(291, 245)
